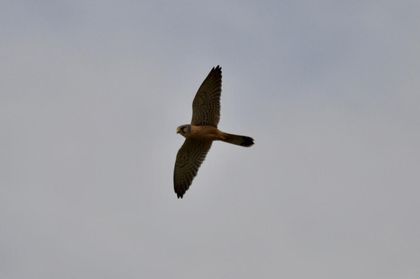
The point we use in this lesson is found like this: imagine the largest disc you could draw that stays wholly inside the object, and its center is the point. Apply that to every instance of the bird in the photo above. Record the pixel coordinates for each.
(200, 134)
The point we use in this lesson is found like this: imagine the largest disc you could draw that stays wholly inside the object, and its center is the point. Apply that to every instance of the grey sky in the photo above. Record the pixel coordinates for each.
(91, 93)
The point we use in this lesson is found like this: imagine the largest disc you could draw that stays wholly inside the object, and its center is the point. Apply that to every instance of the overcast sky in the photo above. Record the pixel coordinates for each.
(91, 93)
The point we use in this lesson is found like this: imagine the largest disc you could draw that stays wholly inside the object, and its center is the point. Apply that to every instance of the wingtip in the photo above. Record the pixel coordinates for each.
(217, 68)
(179, 194)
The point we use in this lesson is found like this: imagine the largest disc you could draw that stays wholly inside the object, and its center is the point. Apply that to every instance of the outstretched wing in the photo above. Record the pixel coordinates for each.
(206, 104)
(189, 158)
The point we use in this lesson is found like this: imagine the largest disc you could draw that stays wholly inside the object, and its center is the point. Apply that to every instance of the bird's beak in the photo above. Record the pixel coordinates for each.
(178, 130)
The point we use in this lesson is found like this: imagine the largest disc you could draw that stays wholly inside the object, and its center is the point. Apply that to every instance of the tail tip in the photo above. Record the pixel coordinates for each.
(247, 141)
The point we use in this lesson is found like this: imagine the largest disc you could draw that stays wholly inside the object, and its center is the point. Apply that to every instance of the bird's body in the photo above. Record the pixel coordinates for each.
(212, 133)
(202, 131)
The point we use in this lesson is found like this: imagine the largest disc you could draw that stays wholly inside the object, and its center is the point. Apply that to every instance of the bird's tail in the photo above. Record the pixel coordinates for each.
(238, 139)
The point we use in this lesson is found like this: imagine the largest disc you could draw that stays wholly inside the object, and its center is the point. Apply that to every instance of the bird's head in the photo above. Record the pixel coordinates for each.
(184, 130)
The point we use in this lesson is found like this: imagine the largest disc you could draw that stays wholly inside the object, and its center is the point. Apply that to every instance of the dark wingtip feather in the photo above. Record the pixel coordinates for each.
(179, 192)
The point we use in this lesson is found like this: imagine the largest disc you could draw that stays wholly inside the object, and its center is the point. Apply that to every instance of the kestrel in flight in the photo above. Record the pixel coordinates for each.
(202, 131)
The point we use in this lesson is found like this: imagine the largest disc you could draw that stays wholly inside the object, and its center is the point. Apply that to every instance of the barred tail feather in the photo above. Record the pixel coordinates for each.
(238, 140)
